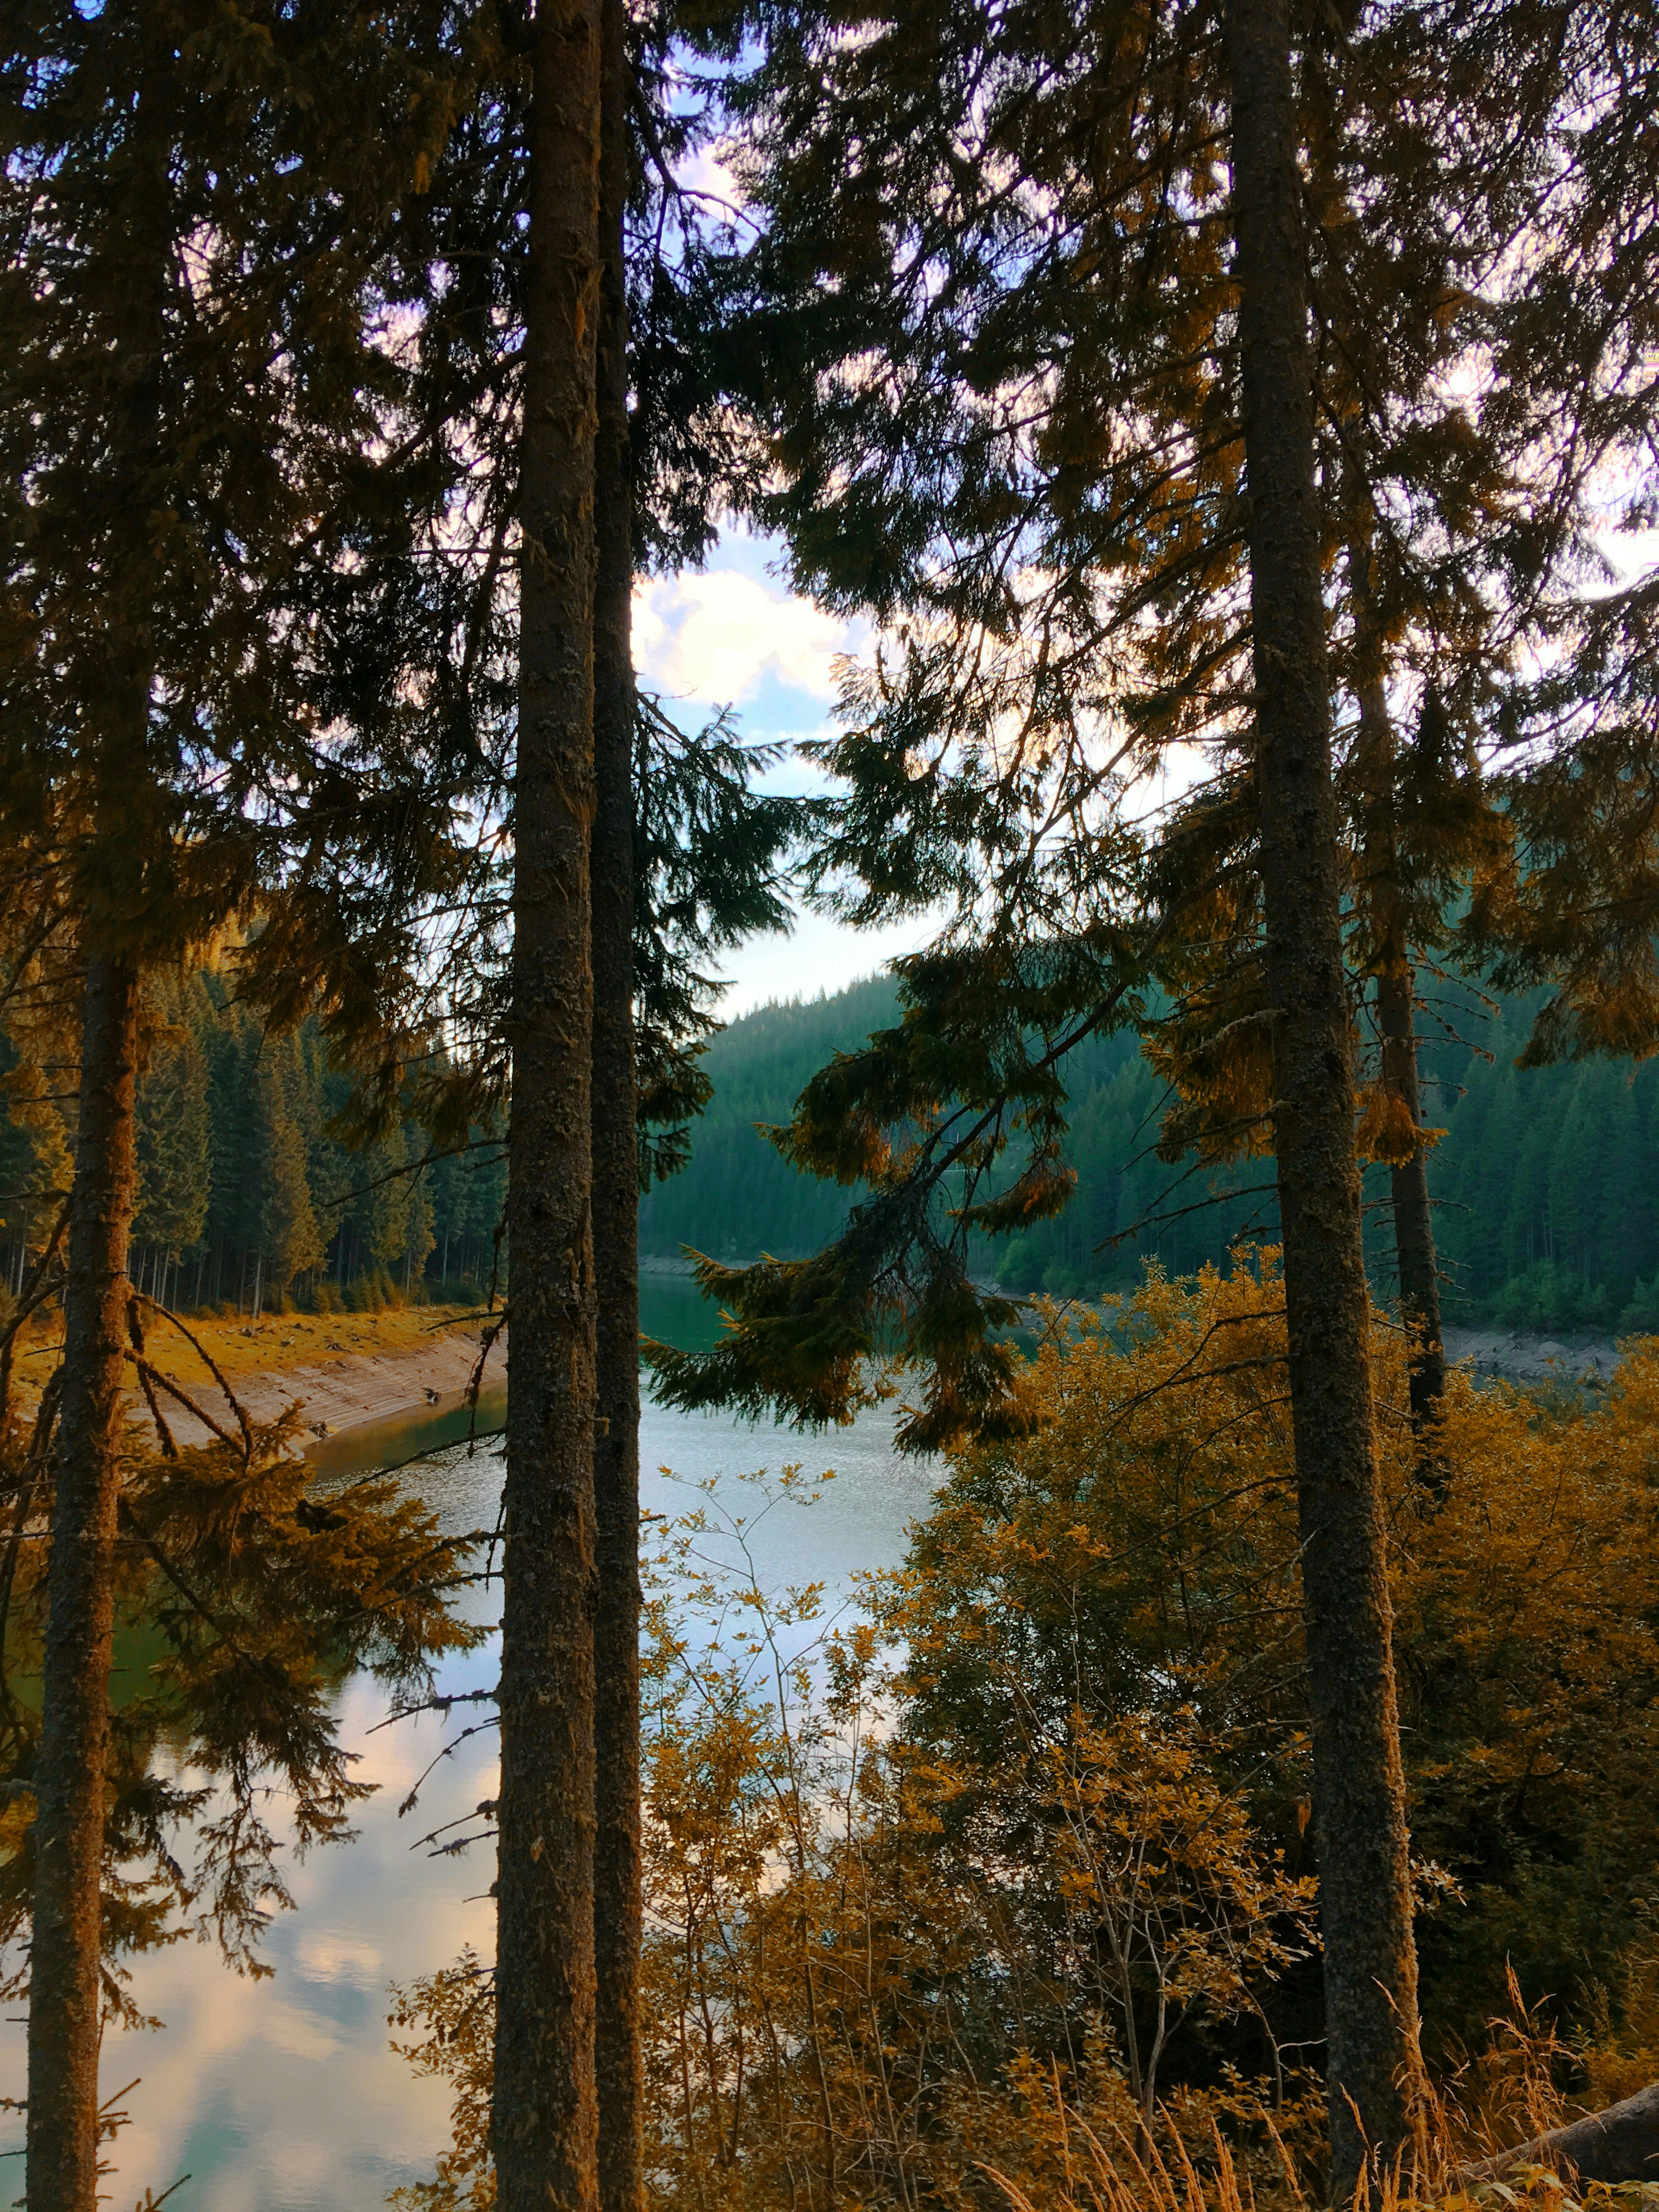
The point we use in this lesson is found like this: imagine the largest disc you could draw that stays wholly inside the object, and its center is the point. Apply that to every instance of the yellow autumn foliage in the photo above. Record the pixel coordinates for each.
(1139, 1549)
(1385, 1130)
(1018, 1858)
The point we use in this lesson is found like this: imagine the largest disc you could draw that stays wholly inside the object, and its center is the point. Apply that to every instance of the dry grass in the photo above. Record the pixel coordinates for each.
(1138, 2175)
(1505, 2095)
(1125, 2175)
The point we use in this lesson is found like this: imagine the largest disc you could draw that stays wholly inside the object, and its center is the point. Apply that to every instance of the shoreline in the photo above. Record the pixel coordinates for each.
(362, 1390)
(359, 1390)
(1495, 1352)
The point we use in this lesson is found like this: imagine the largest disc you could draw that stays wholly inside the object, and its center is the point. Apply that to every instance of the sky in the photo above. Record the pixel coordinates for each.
(732, 634)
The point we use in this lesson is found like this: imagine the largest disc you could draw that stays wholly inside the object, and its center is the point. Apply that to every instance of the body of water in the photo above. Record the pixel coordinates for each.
(282, 2094)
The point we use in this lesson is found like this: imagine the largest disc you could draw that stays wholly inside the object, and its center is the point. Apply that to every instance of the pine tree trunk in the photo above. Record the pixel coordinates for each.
(617, 1872)
(1414, 1222)
(1396, 991)
(1365, 1907)
(544, 2115)
(1396, 1022)
(64, 1977)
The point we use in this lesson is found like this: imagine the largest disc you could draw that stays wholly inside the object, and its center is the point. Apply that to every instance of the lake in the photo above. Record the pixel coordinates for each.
(282, 2095)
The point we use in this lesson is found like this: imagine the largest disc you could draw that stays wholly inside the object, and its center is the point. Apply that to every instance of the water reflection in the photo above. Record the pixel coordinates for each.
(282, 2095)
(403, 1437)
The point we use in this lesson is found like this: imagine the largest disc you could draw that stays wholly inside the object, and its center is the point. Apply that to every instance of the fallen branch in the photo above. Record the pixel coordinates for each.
(1620, 2143)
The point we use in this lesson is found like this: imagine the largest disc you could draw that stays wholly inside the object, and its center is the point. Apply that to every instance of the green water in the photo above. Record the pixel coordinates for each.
(671, 1310)
(675, 1311)
(403, 1437)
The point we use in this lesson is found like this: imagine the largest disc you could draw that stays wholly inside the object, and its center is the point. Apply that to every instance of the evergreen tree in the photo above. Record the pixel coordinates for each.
(1572, 904)
(233, 1205)
(381, 1215)
(289, 1241)
(173, 1147)
(544, 2120)
(1365, 1898)
(184, 380)
(1020, 436)
(975, 304)
(34, 1152)
(419, 1235)
(492, 475)
(618, 1844)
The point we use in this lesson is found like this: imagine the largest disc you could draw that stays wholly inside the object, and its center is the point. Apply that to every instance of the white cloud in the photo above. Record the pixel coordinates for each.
(706, 173)
(334, 1955)
(715, 634)
(819, 954)
(1631, 554)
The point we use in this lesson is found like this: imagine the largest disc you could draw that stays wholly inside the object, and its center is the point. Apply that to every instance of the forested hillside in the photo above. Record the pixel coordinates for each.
(737, 1196)
(1543, 1185)
(1545, 1206)
(1546, 1215)
(243, 1197)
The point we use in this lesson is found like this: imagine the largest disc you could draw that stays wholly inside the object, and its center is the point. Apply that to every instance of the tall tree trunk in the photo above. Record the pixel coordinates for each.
(1396, 1012)
(1409, 1180)
(545, 2114)
(1366, 1904)
(1397, 992)
(617, 1871)
(64, 1961)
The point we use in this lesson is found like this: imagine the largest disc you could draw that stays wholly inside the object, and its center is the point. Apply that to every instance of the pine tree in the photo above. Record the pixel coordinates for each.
(618, 1861)
(545, 2124)
(1572, 904)
(1365, 1892)
(174, 198)
(289, 1241)
(419, 1235)
(174, 1146)
(234, 1202)
(1008, 406)
(961, 454)
(34, 1152)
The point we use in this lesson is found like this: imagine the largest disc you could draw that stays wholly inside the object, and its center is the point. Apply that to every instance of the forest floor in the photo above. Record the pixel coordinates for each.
(343, 1369)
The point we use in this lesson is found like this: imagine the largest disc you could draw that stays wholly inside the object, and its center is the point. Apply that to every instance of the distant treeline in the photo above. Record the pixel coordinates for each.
(243, 1197)
(1547, 1206)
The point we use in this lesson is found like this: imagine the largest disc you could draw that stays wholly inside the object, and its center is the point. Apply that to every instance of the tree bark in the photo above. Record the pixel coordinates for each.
(1365, 1906)
(617, 1871)
(544, 2111)
(64, 1953)
(1408, 1182)
(1396, 1006)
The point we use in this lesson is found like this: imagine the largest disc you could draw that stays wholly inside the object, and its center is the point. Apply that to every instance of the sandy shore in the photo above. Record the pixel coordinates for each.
(347, 1392)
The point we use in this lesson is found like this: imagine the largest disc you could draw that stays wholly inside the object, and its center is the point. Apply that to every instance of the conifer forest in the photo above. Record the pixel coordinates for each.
(1205, 1758)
